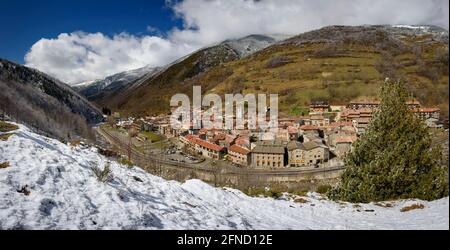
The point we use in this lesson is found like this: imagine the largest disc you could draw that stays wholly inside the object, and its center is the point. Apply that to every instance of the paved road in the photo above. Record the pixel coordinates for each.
(206, 166)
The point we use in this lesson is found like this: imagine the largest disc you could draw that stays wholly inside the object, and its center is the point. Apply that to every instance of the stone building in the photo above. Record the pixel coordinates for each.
(295, 154)
(268, 154)
(307, 154)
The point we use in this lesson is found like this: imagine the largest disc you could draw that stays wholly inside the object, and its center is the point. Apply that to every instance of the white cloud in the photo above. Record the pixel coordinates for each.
(82, 56)
(212, 21)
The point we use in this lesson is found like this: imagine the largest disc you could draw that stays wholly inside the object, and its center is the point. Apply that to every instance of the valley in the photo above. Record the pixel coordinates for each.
(105, 154)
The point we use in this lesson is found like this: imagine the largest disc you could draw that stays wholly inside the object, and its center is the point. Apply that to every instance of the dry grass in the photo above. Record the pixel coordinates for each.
(4, 165)
(7, 127)
(301, 200)
(75, 143)
(5, 137)
(412, 207)
(386, 205)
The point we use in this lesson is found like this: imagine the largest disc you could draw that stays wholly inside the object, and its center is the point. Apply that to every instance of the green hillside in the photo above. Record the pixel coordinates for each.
(338, 63)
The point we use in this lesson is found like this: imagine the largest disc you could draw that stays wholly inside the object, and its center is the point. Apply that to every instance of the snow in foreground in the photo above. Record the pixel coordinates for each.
(65, 194)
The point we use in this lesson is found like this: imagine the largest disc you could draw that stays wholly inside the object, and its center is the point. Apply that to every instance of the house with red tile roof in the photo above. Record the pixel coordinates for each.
(205, 148)
(239, 155)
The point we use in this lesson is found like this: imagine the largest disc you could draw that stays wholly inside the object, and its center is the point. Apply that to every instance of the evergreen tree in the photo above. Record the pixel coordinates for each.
(394, 158)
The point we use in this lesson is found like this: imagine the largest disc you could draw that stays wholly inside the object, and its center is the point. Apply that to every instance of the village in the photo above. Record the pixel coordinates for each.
(326, 134)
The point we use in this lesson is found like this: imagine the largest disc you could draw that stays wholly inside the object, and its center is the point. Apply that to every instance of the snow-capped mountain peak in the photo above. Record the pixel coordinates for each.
(250, 44)
(112, 83)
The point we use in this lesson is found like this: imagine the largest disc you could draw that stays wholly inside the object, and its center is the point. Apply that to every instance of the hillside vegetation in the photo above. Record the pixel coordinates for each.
(44, 103)
(337, 63)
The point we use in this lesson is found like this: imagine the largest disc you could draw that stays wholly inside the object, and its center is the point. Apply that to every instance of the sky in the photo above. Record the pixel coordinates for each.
(82, 40)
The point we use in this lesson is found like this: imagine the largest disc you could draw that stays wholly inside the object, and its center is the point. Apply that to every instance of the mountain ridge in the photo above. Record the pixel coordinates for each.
(44, 102)
(337, 63)
(190, 66)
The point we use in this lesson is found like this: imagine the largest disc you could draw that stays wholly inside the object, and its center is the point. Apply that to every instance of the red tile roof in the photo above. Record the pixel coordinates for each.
(426, 110)
(209, 145)
(309, 127)
(292, 130)
(240, 150)
(220, 137)
(204, 144)
(189, 137)
(346, 139)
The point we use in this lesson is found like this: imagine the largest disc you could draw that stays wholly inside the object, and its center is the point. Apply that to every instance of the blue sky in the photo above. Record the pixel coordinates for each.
(82, 40)
(25, 22)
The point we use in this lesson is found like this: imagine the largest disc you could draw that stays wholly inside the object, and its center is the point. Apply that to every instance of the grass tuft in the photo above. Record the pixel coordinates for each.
(4, 165)
(5, 137)
(7, 127)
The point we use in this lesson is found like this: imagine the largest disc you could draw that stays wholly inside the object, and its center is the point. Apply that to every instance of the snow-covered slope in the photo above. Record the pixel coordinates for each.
(65, 194)
(250, 44)
(92, 89)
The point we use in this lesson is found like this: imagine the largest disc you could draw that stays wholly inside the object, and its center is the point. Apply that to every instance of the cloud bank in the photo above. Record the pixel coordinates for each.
(78, 56)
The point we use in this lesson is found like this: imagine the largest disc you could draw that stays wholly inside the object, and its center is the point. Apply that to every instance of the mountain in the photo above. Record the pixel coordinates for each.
(250, 44)
(335, 63)
(46, 184)
(145, 94)
(48, 105)
(96, 89)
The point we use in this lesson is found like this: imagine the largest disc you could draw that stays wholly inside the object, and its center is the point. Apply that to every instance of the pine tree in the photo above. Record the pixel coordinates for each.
(394, 158)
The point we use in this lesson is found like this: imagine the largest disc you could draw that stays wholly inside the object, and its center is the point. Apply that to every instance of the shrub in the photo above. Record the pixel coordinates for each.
(323, 189)
(303, 192)
(264, 192)
(126, 162)
(103, 175)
